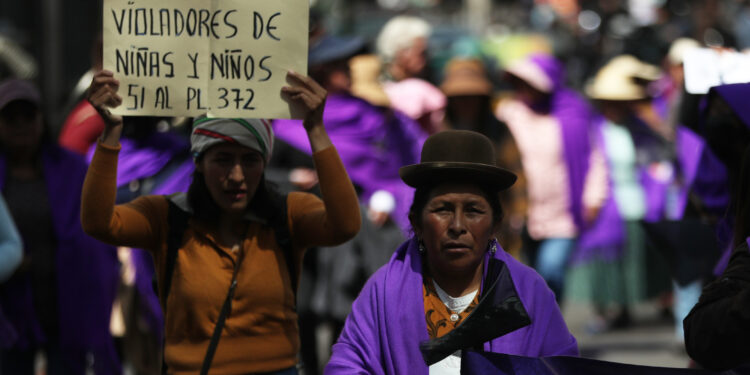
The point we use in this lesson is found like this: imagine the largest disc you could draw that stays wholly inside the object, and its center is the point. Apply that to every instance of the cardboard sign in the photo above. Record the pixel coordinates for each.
(706, 68)
(223, 58)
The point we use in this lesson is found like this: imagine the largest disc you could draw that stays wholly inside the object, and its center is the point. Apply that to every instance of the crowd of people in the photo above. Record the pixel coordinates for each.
(414, 218)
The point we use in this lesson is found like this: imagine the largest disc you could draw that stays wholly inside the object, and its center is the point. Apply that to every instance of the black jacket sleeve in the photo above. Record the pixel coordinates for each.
(717, 330)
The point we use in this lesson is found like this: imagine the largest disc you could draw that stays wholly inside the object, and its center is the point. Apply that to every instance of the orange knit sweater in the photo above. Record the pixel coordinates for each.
(260, 333)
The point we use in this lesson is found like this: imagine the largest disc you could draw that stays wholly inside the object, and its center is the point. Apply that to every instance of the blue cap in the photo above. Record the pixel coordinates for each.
(332, 48)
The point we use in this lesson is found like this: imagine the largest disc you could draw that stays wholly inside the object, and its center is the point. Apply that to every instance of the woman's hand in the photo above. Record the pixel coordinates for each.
(102, 94)
(308, 92)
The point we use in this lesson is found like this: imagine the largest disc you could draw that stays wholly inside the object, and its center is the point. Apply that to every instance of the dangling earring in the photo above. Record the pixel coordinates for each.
(421, 247)
(493, 246)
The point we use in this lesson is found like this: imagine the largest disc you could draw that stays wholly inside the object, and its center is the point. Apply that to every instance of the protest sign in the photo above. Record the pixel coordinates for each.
(223, 58)
(706, 68)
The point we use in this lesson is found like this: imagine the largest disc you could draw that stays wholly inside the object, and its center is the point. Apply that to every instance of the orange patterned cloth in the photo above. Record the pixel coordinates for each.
(437, 315)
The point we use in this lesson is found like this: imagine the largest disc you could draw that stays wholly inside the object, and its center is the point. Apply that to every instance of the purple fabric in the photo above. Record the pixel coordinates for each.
(372, 145)
(690, 150)
(87, 272)
(387, 322)
(476, 363)
(711, 182)
(736, 96)
(145, 158)
(692, 157)
(604, 238)
(580, 126)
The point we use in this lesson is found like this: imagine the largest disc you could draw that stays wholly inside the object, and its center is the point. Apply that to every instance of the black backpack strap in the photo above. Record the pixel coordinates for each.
(284, 240)
(177, 220)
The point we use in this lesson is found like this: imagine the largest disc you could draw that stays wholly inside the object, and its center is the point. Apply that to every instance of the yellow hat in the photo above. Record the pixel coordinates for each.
(618, 79)
(365, 70)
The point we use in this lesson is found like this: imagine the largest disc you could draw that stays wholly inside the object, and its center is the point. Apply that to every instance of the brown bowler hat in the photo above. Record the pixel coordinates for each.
(457, 155)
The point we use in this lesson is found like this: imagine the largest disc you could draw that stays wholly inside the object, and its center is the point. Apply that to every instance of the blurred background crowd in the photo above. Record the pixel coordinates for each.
(626, 179)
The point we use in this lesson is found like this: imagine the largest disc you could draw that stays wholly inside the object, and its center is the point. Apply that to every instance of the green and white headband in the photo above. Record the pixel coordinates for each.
(256, 134)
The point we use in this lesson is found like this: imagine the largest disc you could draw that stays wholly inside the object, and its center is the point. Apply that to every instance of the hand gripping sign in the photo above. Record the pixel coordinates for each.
(223, 58)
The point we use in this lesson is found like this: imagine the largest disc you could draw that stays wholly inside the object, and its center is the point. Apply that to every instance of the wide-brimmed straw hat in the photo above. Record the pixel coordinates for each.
(532, 73)
(365, 70)
(623, 78)
(457, 156)
(466, 77)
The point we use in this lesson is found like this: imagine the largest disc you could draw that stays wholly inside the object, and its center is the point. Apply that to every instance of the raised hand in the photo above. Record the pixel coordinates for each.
(308, 92)
(102, 94)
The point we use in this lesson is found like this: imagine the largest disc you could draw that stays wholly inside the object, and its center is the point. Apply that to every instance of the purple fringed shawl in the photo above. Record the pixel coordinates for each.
(372, 144)
(581, 133)
(387, 322)
(87, 273)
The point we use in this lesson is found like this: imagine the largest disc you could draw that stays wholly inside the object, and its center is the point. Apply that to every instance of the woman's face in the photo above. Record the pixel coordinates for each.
(21, 126)
(232, 173)
(526, 93)
(615, 111)
(456, 227)
(413, 59)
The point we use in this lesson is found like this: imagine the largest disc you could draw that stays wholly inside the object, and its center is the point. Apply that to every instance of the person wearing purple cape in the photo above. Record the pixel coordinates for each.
(450, 287)
(60, 299)
(673, 176)
(614, 277)
(718, 327)
(565, 169)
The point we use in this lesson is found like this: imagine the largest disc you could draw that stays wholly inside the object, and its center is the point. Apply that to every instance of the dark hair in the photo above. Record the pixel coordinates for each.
(266, 202)
(422, 195)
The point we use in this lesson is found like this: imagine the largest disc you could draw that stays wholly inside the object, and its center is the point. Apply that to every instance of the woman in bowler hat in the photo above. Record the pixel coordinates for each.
(451, 286)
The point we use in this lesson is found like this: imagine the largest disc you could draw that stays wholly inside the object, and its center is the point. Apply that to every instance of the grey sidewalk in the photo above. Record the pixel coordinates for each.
(650, 339)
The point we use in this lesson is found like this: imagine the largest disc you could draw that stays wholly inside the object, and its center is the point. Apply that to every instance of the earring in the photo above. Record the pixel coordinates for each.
(493, 246)
(421, 247)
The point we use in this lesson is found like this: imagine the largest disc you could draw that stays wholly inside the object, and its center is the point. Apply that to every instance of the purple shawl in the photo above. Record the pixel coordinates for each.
(87, 273)
(145, 158)
(373, 145)
(581, 133)
(736, 96)
(387, 322)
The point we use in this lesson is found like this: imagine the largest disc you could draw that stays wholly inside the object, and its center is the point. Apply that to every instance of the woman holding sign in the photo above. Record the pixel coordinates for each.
(227, 253)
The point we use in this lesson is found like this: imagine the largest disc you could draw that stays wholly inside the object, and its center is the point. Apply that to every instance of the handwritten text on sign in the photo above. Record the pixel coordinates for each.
(224, 58)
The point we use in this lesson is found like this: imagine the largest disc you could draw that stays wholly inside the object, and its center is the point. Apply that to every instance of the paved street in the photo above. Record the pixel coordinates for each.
(650, 340)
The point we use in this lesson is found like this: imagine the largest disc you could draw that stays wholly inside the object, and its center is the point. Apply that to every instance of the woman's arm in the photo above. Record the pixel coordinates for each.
(11, 249)
(135, 224)
(337, 218)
